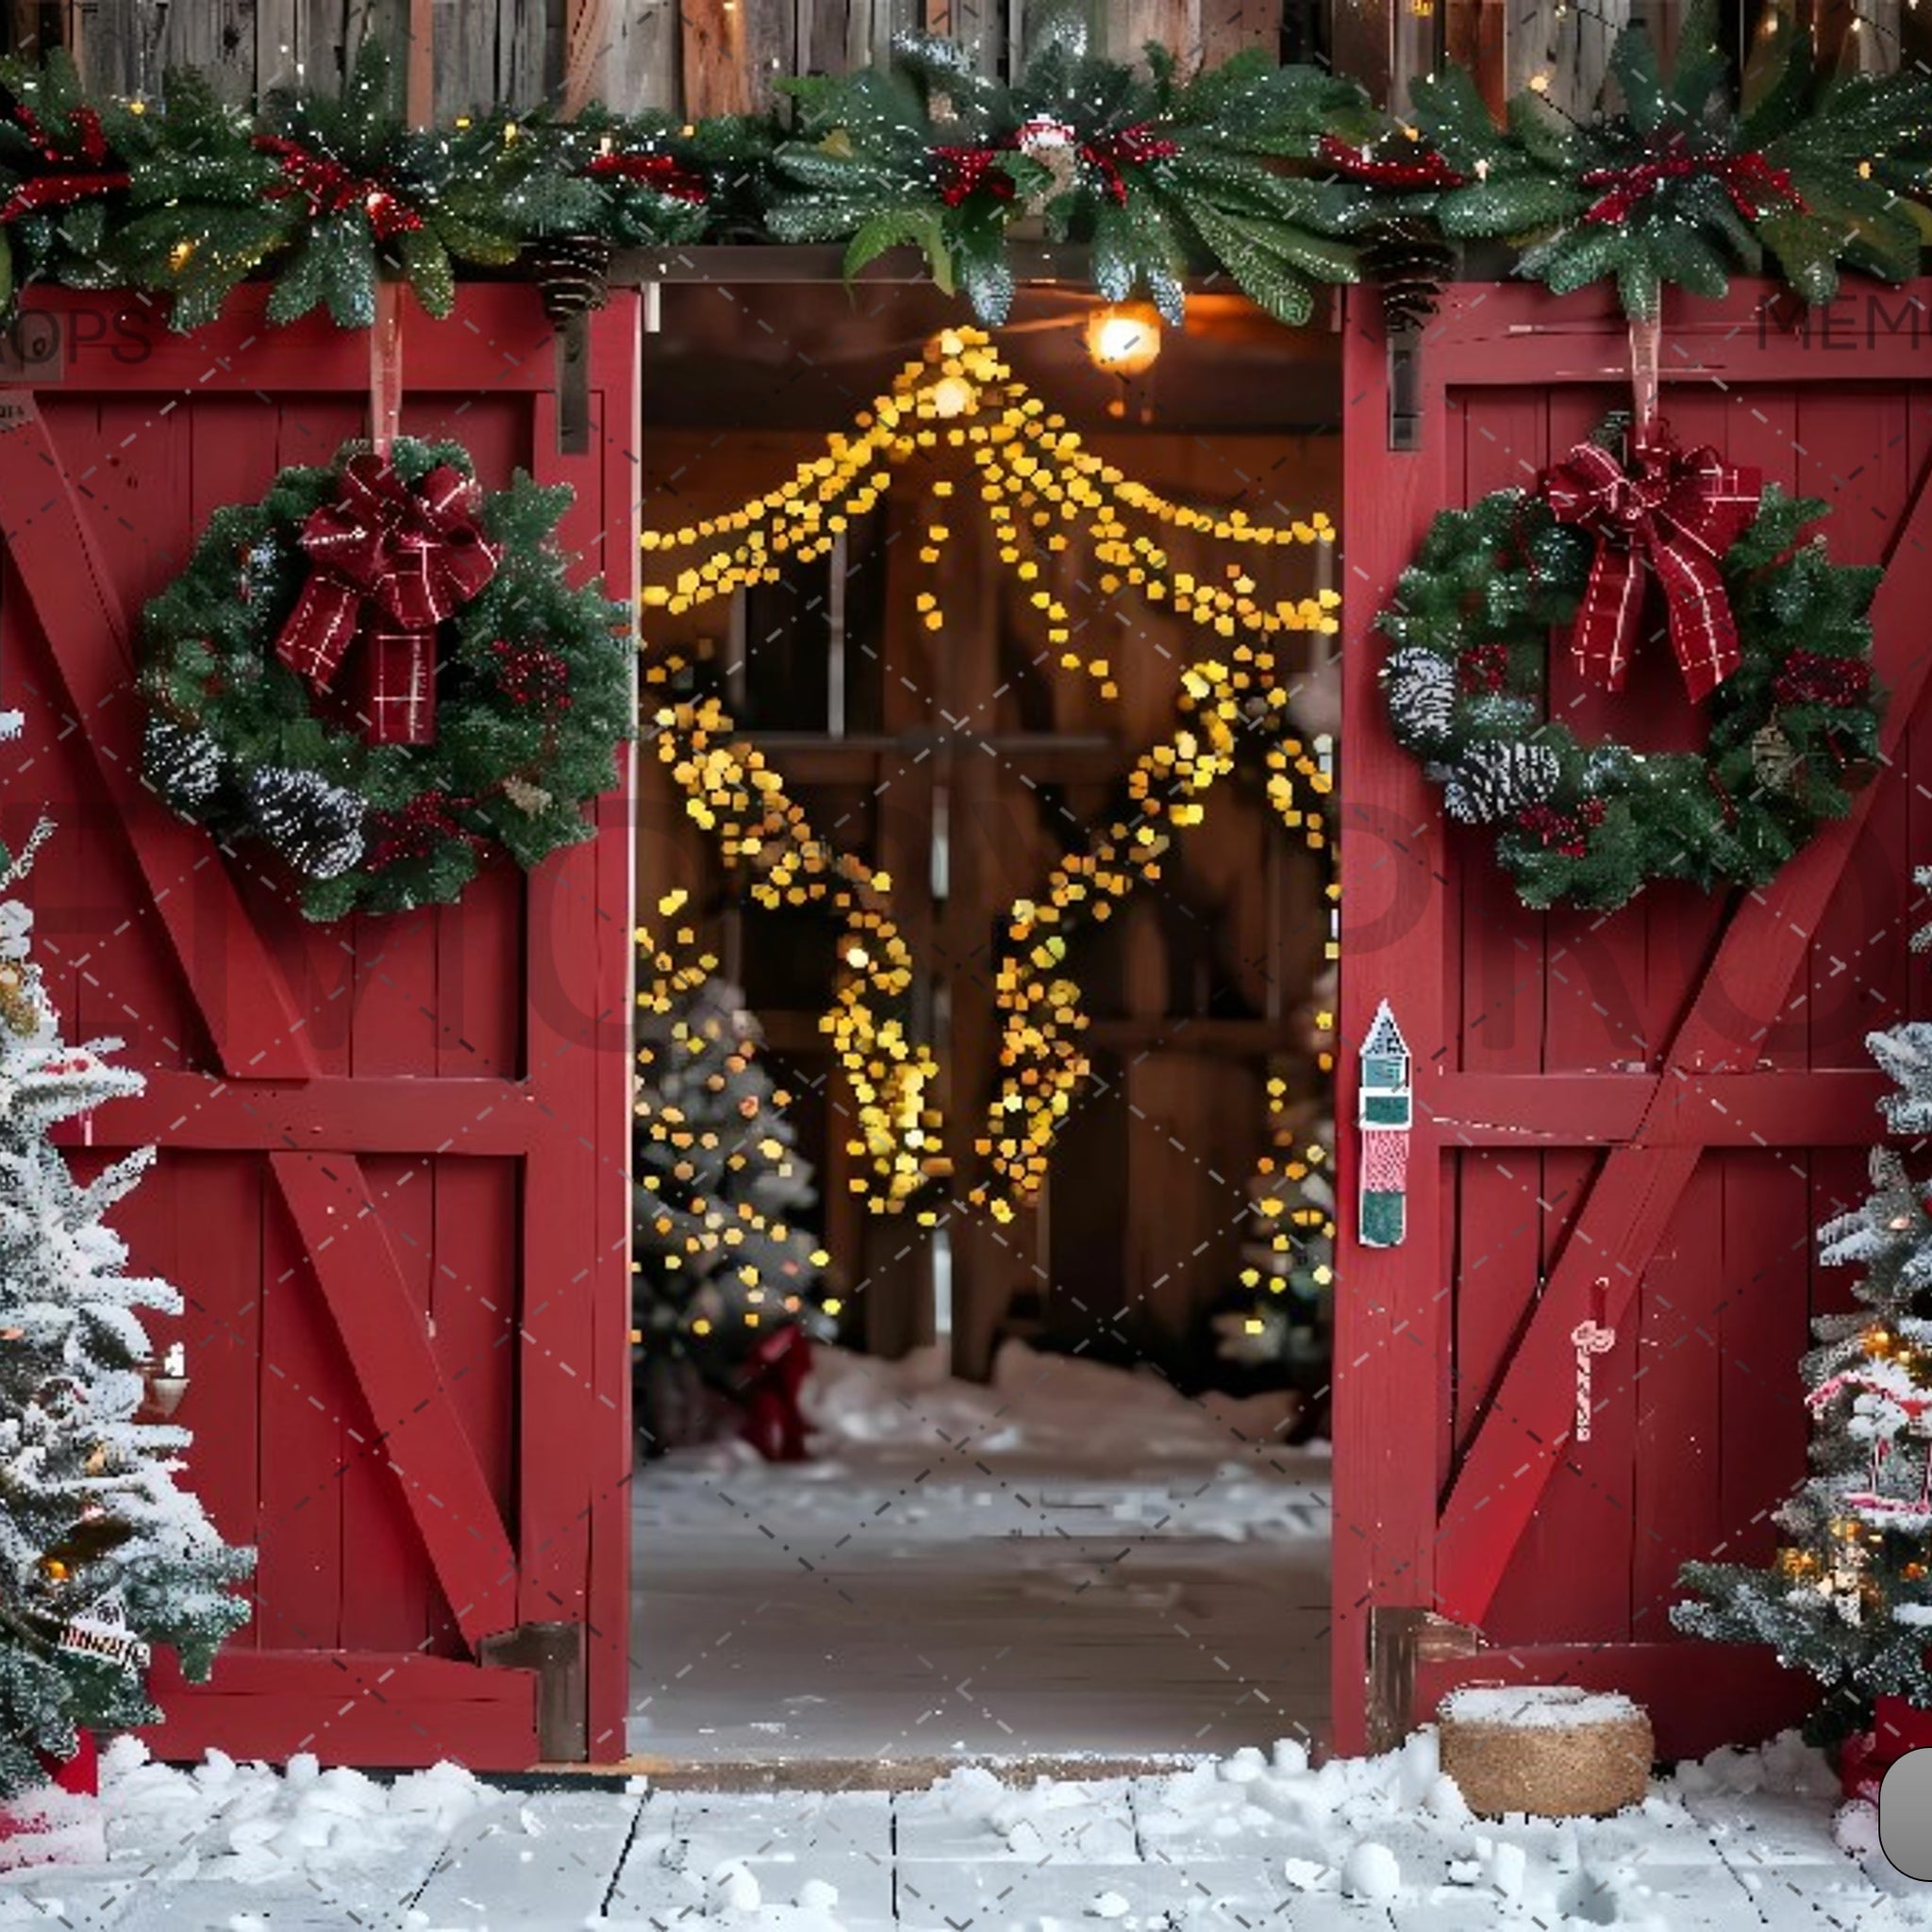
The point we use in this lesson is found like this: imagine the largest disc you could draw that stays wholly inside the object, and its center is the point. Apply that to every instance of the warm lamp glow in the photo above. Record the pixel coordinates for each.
(1125, 338)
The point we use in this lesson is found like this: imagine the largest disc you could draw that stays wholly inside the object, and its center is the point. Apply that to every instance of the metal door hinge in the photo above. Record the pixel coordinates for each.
(1400, 1637)
(555, 1653)
(1405, 386)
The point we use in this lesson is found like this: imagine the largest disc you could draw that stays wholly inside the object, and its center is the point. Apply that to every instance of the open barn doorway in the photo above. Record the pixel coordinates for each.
(987, 749)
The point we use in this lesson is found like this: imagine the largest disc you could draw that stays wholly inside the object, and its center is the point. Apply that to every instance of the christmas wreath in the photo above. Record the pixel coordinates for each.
(1771, 635)
(379, 672)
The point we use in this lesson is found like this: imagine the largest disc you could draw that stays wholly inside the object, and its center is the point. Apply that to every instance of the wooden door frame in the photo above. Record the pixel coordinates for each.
(1422, 1538)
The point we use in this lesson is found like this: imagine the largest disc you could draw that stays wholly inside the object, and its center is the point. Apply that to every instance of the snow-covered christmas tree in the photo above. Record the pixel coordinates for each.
(1848, 1595)
(103, 1553)
(718, 1188)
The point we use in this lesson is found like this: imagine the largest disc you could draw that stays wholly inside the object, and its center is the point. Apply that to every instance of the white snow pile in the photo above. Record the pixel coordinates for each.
(1050, 1406)
(248, 1821)
(1536, 1706)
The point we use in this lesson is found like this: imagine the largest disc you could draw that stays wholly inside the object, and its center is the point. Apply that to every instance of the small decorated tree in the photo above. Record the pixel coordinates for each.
(1848, 1595)
(727, 1277)
(103, 1553)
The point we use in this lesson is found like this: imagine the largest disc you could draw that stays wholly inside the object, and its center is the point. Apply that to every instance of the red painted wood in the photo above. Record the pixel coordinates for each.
(1392, 1318)
(399, 1712)
(1496, 1491)
(358, 1122)
(1671, 1096)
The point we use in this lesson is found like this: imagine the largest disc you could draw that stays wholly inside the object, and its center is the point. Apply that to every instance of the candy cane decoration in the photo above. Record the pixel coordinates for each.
(1591, 1338)
(1385, 1109)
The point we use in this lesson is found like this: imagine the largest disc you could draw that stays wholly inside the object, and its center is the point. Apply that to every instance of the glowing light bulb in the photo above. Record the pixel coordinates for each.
(1124, 338)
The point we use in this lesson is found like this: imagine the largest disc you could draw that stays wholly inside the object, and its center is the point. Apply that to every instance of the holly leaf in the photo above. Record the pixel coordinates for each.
(898, 228)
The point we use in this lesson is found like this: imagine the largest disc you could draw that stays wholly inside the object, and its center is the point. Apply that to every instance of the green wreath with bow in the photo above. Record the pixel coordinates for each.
(380, 672)
(1794, 723)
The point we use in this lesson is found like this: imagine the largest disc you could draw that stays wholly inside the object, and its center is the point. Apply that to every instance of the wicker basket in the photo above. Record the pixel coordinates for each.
(1552, 1751)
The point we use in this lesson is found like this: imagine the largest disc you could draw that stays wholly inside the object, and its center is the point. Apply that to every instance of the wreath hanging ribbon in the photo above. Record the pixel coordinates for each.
(392, 561)
(1675, 512)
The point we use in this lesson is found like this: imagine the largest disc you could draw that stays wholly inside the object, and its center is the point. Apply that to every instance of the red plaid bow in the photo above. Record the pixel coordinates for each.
(390, 562)
(1753, 183)
(1677, 509)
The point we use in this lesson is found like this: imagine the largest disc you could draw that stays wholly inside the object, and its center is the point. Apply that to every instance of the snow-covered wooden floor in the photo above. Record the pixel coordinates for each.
(1244, 1843)
(1073, 1561)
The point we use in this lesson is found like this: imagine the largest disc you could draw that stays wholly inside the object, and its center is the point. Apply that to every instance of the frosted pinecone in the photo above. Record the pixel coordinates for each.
(1497, 779)
(182, 767)
(1422, 695)
(315, 826)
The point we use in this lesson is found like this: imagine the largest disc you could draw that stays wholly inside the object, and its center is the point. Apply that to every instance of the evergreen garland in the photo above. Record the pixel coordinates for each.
(1792, 732)
(1278, 176)
(1688, 182)
(533, 693)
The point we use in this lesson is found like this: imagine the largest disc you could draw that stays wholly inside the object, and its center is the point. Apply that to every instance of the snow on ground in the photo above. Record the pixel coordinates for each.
(1071, 1561)
(1254, 1837)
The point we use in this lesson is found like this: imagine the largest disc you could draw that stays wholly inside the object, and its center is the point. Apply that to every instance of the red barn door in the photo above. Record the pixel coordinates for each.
(393, 1178)
(1669, 1098)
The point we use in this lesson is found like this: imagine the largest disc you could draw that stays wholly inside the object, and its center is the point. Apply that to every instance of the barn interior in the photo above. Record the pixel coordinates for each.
(1046, 1435)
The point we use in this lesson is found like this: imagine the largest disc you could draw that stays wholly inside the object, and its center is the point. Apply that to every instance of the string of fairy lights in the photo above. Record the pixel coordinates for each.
(1039, 486)
(714, 1230)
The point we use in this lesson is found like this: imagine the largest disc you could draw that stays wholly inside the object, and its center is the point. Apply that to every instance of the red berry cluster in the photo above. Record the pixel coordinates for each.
(1810, 679)
(1565, 832)
(530, 674)
(1484, 668)
(416, 830)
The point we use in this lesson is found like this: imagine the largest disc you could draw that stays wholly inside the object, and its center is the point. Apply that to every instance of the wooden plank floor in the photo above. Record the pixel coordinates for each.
(1116, 1850)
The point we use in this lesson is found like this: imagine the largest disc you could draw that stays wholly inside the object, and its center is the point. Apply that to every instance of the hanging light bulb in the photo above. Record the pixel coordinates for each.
(1124, 338)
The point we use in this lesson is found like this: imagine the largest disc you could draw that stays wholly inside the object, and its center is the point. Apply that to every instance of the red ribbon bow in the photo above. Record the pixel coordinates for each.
(663, 173)
(390, 562)
(1752, 182)
(1131, 147)
(1418, 167)
(1678, 511)
(332, 188)
(74, 179)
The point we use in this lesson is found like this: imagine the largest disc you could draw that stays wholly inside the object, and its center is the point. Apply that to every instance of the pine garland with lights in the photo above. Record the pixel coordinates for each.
(718, 1186)
(1688, 182)
(529, 691)
(1848, 1595)
(1792, 731)
(1283, 177)
(1151, 172)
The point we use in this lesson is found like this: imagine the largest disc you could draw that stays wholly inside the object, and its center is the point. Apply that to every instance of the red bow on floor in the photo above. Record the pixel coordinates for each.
(390, 562)
(1676, 512)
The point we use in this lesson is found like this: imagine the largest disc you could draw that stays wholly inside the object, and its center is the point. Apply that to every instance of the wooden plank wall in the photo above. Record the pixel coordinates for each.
(704, 57)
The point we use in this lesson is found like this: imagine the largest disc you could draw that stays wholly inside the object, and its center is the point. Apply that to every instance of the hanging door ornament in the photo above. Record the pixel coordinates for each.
(1591, 1338)
(1385, 1108)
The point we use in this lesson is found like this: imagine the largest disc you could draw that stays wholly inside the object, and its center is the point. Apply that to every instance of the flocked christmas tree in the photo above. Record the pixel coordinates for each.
(1848, 1595)
(719, 1189)
(103, 1553)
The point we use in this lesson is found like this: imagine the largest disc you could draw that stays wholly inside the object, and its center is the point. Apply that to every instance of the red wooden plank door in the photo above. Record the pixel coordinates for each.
(1665, 1100)
(393, 1186)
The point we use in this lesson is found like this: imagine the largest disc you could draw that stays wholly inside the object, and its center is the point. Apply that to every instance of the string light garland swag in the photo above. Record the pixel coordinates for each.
(1038, 485)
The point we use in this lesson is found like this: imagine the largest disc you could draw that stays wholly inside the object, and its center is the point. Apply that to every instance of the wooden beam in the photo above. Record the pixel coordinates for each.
(1787, 1109)
(418, 1426)
(1527, 1425)
(371, 1114)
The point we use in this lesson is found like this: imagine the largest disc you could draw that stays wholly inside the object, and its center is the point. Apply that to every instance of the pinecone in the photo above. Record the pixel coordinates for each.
(1495, 778)
(1409, 261)
(570, 270)
(1422, 695)
(184, 768)
(315, 826)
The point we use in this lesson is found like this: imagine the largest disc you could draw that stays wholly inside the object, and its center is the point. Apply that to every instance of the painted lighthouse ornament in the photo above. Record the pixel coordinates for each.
(1385, 1109)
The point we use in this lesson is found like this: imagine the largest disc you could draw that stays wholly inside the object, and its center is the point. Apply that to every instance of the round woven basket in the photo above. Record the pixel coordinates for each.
(1552, 1751)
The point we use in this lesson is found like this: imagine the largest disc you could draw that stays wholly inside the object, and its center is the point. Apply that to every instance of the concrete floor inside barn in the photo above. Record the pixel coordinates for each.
(1072, 1564)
